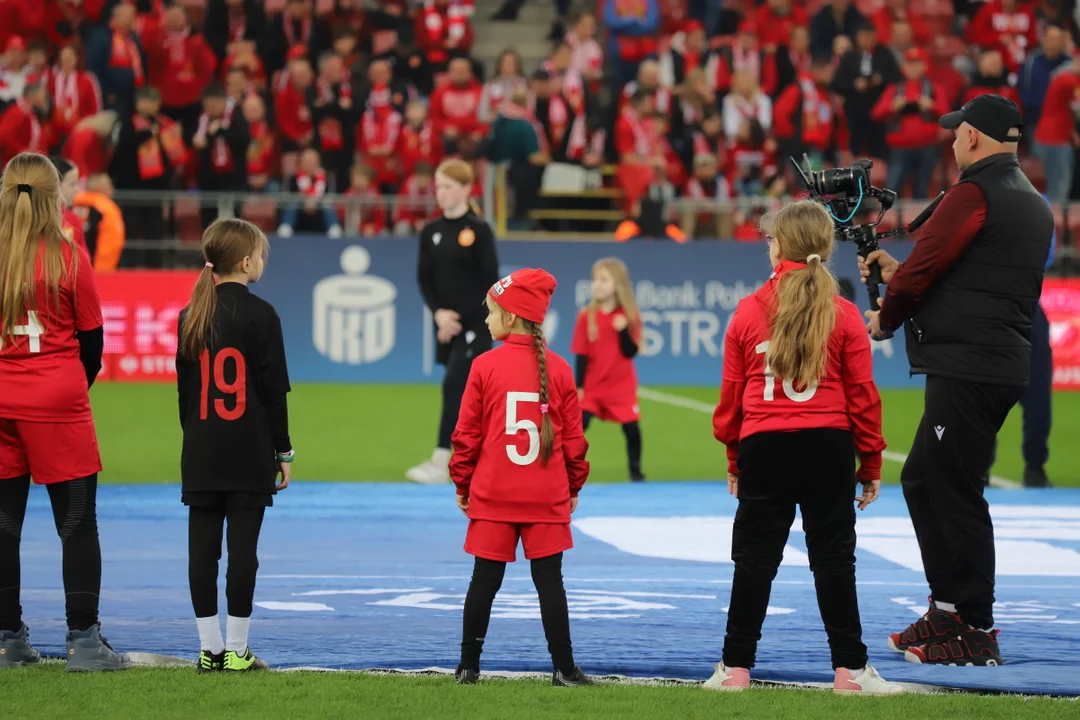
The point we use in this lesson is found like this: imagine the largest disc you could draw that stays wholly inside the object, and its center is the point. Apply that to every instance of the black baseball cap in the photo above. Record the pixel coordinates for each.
(992, 115)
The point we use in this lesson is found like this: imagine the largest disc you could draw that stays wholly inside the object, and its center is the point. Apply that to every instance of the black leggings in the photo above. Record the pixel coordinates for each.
(458, 364)
(74, 505)
(205, 528)
(487, 579)
(632, 432)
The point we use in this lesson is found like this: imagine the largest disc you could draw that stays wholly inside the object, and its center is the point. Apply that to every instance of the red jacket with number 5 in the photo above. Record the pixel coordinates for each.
(496, 460)
(753, 401)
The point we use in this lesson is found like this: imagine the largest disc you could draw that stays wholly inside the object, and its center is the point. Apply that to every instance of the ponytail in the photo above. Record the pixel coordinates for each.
(199, 316)
(547, 430)
(226, 243)
(30, 222)
(804, 320)
(475, 208)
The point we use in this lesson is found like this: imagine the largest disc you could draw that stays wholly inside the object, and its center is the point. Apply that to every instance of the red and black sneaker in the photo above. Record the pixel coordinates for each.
(970, 647)
(932, 626)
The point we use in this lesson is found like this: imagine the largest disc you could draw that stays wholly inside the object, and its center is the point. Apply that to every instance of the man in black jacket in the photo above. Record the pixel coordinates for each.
(221, 144)
(967, 295)
(864, 72)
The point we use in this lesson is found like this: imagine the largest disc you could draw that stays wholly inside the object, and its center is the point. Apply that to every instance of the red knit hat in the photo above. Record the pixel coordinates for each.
(526, 293)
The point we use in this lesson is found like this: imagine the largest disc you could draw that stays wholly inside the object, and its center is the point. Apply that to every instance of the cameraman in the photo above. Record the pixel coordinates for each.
(967, 295)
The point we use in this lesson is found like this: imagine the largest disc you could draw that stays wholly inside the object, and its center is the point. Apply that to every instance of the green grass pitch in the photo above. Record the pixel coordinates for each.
(375, 432)
(46, 692)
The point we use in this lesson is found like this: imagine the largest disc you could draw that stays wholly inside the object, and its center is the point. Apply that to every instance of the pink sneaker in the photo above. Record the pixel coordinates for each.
(868, 682)
(726, 679)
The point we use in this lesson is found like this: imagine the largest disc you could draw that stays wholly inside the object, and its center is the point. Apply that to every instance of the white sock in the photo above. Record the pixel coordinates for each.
(441, 457)
(855, 673)
(236, 630)
(210, 635)
(947, 607)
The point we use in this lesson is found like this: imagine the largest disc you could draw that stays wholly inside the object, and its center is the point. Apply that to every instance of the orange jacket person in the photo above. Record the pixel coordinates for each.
(103, 223)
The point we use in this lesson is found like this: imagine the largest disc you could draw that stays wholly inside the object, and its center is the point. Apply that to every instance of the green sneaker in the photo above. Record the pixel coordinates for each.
(209, 662)
(235, 662)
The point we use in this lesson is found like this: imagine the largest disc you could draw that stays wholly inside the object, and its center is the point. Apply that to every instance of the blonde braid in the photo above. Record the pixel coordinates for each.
(547, 430)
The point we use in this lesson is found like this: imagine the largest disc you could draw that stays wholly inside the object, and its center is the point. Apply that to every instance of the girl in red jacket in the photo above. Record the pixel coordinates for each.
(797, 401)
(519, 463)
(606, 339)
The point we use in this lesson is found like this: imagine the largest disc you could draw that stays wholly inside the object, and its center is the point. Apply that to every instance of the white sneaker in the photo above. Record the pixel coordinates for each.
(725, 679)
(868, 682)
(431, 472)
(285, 231)
(334, 232)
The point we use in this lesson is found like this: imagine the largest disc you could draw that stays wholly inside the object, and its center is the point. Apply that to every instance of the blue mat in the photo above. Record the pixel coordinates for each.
(365, 575)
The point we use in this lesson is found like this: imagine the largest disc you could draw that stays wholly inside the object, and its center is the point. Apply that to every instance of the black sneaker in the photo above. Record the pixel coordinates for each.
(574, 679)
(1036, 478)
(464, 676)
(970, 646)
(209, 662)
(934, 625)
(636, 475)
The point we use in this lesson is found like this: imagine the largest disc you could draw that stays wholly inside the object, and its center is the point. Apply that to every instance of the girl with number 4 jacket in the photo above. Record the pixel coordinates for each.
(519, 463)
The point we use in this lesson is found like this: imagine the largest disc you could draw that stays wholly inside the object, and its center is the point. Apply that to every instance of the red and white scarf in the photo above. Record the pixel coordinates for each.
(325, 91)
(221, 155)
(311, 184)
(457, 21)
(289, 25)
(65, 89)
(663, 99)
(379, 97)
(381, 128)
(642, 143)
(125, 54)
(749, 60)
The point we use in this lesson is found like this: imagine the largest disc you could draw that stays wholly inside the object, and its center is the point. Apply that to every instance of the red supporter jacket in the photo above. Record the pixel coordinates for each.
(372, 214)
(85, 148)
(496, 460)
(909, 130)
(291, 111)
(1057, 122)
(610, 375)
(42, 376)
(753, 401)
(419, 144)
(776, 29)
(262, 150)
(415, 205)
(73, 229)
(883, 20)
(440, 29)
(822, 123)
(180, 65)
(1014, 34)
(379, 129)
(75, 96)
(456, 107)
(21, 131)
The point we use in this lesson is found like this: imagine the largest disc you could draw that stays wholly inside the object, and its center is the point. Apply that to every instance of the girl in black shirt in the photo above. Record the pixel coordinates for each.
(232, 381)
(457, 265)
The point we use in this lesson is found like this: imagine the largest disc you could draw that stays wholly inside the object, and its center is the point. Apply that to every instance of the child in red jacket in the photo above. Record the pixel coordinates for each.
(519, 463)
(606, 339)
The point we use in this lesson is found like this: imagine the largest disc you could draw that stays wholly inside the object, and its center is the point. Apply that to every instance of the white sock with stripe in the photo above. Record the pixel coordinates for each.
(236, 630)
(210, 635)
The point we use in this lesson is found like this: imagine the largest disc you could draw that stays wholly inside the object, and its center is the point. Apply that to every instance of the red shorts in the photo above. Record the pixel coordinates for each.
(620, 410)
(50, 452)
(498, 541)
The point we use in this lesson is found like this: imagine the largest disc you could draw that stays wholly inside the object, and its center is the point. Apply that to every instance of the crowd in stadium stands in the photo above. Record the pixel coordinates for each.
(368, 98)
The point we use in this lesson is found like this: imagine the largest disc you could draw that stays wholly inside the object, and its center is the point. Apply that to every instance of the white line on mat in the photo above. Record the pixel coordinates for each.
(691, 404)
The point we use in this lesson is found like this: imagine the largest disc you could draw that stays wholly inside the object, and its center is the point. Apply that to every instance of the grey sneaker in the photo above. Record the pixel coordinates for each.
(15, 649)
(89, 652)
(578, 678)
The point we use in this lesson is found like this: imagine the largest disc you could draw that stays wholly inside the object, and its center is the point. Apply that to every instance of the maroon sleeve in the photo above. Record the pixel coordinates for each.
(468, 434)
(574, 445)
(938, 244)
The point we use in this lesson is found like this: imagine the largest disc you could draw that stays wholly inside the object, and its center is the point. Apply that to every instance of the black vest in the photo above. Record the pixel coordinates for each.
(976, 322)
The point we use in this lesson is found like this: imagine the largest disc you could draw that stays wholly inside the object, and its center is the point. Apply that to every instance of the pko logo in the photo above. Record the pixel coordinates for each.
(354, 313)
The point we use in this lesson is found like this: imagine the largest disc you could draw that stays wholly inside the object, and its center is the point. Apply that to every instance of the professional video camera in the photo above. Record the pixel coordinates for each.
(842, 191)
